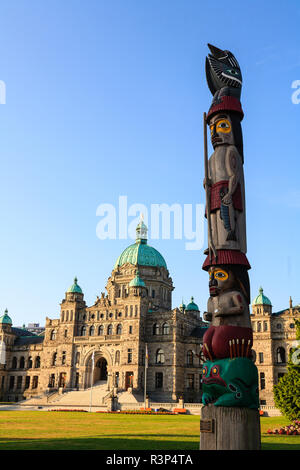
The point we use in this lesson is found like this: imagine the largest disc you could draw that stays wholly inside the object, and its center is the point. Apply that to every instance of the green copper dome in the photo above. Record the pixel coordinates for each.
(75, 287)
(137, 281)
(261, 299)
(5, 318)
(140, 253)
(192, 306)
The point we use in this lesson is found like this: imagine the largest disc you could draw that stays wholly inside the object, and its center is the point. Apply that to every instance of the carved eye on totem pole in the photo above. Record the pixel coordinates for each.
(221, 130)
(220, 279)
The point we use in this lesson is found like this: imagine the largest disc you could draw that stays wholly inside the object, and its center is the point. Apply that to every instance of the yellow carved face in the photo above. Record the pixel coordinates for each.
(223, 126)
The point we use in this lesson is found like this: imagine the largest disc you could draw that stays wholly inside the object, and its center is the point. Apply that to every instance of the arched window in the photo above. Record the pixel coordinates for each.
(14, 363)
(22, 362)
(119, 329)
(280, 355)
(258, 326)
(156, 329)
(110, 330)
(160, 357)
(100, 330)
(117, 357)
(83, 331)
(190, 358)
(92, 331)
(165, 329)
(54, 357)
(29, 362)
(53, 335)
(37, 362)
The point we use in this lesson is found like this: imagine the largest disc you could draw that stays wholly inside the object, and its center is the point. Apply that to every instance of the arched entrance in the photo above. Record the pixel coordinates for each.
(101, 369)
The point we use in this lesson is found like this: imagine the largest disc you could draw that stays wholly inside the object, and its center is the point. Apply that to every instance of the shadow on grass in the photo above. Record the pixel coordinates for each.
(101, 443)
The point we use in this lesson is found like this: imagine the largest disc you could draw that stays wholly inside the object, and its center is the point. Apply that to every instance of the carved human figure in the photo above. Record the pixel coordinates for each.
(226, 184)
(228, 312)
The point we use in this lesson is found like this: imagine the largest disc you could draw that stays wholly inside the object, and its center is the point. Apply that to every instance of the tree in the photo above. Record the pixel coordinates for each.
(286, 392)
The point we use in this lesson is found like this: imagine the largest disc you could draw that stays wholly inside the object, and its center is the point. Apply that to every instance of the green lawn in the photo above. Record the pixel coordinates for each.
(45, 430)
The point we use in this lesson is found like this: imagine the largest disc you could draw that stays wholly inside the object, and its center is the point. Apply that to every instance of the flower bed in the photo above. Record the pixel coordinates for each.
(137, 412)
(63, 409)
(290, 430)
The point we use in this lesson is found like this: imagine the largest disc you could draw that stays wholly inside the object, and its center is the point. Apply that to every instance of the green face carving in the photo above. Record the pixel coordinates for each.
(230, 382)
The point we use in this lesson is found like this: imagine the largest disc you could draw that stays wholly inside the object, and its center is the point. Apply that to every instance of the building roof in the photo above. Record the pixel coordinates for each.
(261, 299)
(192, 306)
(75, 287)
(22, 340)
(198, 332)
(140, 253)
(5, 318)
(137, 281)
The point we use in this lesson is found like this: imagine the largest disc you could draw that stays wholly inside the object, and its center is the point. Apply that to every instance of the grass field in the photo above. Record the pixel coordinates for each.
(44, 430)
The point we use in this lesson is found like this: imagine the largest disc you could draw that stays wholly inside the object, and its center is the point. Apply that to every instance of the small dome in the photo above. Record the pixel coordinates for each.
(261, 299)
(137, 281)
(140, 253)
(75, 287)
(182, 306)
(192, 306)
(5, 318)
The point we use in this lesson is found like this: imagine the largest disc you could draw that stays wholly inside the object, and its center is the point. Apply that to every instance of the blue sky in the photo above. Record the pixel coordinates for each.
(105, 98)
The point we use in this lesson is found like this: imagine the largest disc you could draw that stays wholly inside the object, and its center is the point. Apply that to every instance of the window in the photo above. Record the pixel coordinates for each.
(262, 380)
(130, 330)
(54, 357)
(156, 329)
(63, 357)
(110, 330)
(77, 358)
(83, 331)
(279, 326)
(65, 333)
(92, 331)
(19, 382)
(129, 356)
(100, 330)
(53, 335)
(265, 326)
(119, 329)
(22, 362)
(258, 326)
(14, 363)
(190, 358)
(29, 362)
(11, 382)
(261, 357)
(117, 357)
(280, 355)
(190, 382)
(159, 380)
(165, 329)
(27, 381)
(160, 357)
(153, 293)
(37, 363)
(35, 381)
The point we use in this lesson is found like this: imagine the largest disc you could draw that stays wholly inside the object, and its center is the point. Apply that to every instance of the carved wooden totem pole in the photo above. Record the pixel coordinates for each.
(230, 417)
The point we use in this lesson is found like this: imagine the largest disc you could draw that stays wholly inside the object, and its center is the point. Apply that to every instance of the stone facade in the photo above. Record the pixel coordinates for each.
(273, 336)
(108, 340)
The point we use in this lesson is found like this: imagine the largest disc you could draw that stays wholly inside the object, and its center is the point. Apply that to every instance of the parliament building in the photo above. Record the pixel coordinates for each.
(111, 340)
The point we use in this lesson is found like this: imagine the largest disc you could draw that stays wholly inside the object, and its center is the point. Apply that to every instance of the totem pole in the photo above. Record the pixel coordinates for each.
(230, 417)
